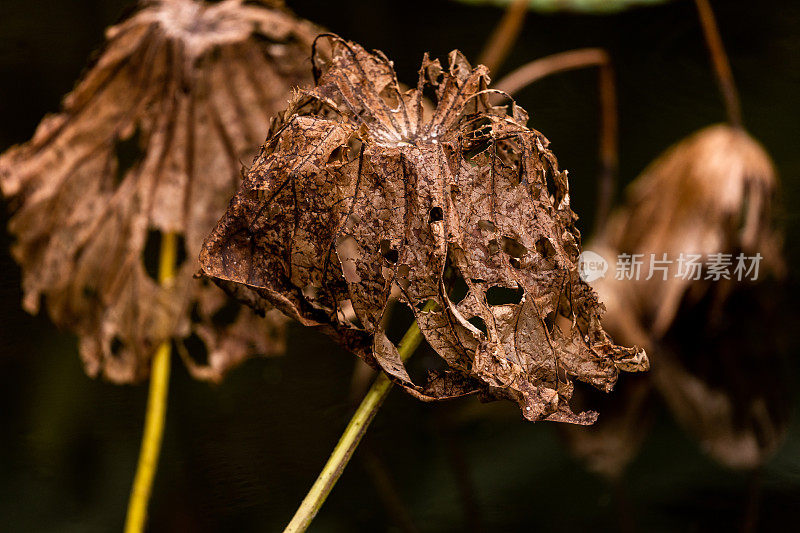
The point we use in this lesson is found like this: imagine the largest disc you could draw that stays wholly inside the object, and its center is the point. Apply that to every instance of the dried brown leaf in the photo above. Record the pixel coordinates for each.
(358, 191)
(150, 141)
(710, 193)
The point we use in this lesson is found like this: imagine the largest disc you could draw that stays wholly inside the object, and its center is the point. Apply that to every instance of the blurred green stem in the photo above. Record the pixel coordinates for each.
(351, 437)
(156, 407)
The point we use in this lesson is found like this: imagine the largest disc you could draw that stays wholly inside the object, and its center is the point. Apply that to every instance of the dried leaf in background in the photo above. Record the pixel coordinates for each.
(151, 141)
(711, 193)
(358, 191)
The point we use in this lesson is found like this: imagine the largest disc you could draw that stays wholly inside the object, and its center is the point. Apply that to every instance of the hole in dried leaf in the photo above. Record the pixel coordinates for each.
(347, 250)
(339, 155)
(311, 291)
(487, 225)
(454, 281)
(389, 253)
(424, 363)
(313, 106)
(508, 152)
(425, 303)
(436, 214)
(196, 349)
(402, 318)
(550, 321)
(477, 126)
(152, 252)
(354, 144)
(513, 247)
(475, 150)
(552, 188)
(215, 54)
(347, 313)
(458, 289)
(479, 323)
(498, 295)
(429, 93)
(403, 272)
(545, 248)
(493, 246)
(390, 95)
(128, 152)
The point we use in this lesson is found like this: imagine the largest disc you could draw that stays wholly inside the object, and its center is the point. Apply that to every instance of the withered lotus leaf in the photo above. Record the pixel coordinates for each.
(359, 192)
(151, 141)
(712, 192)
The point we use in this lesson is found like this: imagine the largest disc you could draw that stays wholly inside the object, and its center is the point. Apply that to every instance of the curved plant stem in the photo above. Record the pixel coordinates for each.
(722, 67)
(156, 407)
(352, 435)
(575, 59)
(503, 37)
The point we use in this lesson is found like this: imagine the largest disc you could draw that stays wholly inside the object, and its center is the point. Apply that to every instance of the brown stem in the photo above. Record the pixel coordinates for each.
(504, 35)
(722, 67)
(575, 59)
(609, 131)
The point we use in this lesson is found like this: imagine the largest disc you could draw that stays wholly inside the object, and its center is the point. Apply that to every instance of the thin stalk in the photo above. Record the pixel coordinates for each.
(352, 435)
(722, 67)
(575, 59)
(156, 407)
(504, 35)
(609, 144)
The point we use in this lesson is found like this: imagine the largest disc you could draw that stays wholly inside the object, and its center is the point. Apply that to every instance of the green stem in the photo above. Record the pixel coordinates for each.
(156, 407)
(350, 438)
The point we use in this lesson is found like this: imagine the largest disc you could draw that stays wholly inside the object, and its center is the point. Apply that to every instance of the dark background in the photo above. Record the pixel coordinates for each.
(242, 454)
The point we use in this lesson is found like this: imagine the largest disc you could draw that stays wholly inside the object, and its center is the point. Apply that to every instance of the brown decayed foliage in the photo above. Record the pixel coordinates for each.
(360, 193)
(712, 192)
(150, 142)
